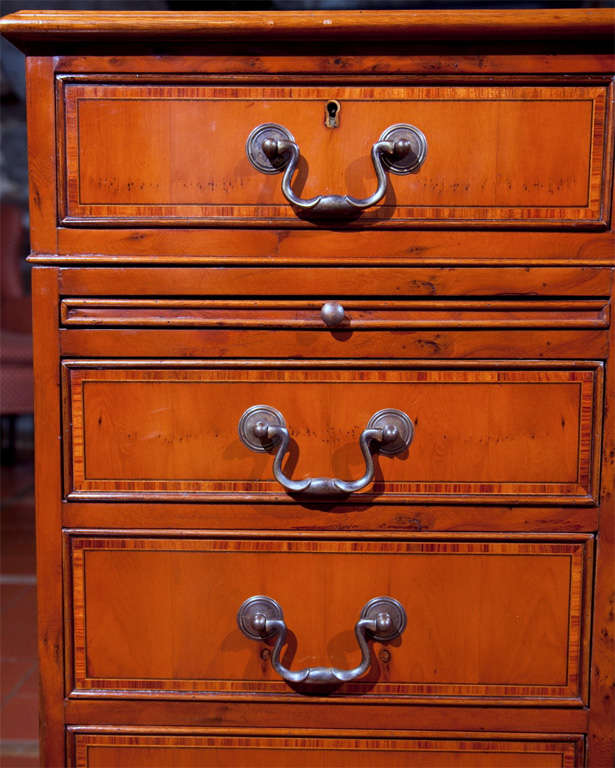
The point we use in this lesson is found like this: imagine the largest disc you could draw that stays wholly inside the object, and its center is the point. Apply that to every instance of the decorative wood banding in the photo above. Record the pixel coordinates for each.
(146, 544)
(495, 156)
(484, 434)
(489, 619)
(201, 748)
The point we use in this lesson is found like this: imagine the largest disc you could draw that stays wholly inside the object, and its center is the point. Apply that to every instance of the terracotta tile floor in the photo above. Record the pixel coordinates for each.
(19, 667)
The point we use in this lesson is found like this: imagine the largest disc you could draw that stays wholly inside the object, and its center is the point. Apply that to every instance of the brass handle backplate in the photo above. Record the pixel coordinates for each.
(271, 148)
(382, 619)
(262, 427)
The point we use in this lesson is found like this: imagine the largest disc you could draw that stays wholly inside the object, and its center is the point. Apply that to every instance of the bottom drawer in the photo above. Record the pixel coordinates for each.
(96, 749)
(487, 620)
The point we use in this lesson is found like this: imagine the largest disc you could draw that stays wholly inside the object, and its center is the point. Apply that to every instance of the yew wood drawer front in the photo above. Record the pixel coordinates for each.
(328, 314)
(489, 620)
(477, 431)
(330, 327)
(169, 154)
(158, 748)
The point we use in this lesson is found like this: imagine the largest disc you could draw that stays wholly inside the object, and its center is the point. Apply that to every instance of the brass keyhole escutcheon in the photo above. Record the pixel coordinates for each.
(332, 113)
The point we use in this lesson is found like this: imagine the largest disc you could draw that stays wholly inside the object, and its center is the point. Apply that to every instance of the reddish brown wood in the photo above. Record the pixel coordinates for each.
(90, 748)
(480, 434)
(117, 581)
(41, 157)
(386, 314)
(180, 304)
(48, 519)
(58, 26)
(424, 66)
(301, 714)
(296, 247)
(333, 283)
(490, 344)
(500, 150)
(601, 734)
(204, 70)
(390, 521)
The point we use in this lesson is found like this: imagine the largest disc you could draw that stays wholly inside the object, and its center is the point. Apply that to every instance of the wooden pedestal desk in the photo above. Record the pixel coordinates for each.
(322, 332)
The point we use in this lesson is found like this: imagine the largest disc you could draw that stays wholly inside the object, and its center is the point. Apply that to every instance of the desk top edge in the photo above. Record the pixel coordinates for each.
(28, 26)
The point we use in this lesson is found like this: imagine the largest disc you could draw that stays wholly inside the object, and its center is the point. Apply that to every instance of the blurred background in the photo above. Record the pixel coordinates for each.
(19, 669)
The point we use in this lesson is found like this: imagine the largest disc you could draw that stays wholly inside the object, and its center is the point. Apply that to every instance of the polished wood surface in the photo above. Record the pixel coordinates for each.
(335, 283)
(428, 344)
(41, 155)
(263, 313)
(161, 750)
(370, 719)
(601, 736)
(137, 612)
(401, 65)
(500, 150)
(379, 522)
(481, 433)
(48, 490)
(595, 24)
(393, 249)
(162, 311)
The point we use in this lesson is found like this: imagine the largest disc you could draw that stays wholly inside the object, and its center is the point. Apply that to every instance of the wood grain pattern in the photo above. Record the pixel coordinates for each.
(48, 490)
(593, 25)
(372, 720)
(338, 282)
(308, 345)
(92, 749)
(382, 521)
(346, 65)
(385, 314)
(479, 434)
(508, 656)
(520, 641)
(42, 157)
(267, 249)
(601, 736)
(495, 153)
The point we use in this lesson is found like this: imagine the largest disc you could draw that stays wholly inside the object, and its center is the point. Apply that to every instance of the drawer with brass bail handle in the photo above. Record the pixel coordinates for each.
(275, 606)
(271, 148)
(495, 158)
(262, 427)
(504, 430)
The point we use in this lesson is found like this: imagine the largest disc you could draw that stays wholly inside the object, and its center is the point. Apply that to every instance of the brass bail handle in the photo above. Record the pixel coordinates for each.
(382, 619)
(262, 428)
(401, 149)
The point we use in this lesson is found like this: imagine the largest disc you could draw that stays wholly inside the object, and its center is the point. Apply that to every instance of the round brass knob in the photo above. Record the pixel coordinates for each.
(332, 313)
